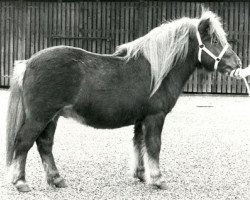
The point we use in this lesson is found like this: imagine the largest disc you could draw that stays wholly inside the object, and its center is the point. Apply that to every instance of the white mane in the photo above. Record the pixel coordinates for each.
(168, 43)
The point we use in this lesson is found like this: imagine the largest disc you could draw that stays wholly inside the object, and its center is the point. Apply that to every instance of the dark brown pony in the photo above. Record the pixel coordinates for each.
(139, 84)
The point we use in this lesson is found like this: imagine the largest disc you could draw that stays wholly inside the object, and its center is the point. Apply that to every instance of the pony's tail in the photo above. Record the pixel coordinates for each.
(16, 115)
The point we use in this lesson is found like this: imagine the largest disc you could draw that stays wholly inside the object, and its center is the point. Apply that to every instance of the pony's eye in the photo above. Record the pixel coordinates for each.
(215, 40)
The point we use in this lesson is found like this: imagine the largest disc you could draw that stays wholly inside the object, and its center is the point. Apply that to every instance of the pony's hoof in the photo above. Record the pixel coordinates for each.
(161, 186)
(60, 183)
(21, 186)
(140, 174)
(141, 177)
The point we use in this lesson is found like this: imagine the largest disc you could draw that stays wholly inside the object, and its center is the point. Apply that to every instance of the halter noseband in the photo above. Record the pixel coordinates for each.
(202, 47)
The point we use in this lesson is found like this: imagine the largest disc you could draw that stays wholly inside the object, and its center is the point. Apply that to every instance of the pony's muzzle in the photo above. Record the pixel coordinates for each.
(233, 70)
(236, 73)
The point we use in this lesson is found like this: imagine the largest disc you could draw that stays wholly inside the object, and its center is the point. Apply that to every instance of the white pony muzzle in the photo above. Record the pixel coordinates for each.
(203, 48)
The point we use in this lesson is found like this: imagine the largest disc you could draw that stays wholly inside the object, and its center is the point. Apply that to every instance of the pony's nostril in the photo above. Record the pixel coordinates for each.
(239, 63)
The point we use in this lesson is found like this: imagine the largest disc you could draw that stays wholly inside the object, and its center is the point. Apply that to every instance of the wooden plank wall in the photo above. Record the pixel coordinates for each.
(99, 26)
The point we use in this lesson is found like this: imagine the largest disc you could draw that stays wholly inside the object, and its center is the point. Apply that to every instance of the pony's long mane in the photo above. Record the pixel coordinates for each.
(168, 44)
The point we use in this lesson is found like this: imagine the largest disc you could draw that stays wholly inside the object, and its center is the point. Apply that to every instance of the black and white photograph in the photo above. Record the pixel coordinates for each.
(124, 100)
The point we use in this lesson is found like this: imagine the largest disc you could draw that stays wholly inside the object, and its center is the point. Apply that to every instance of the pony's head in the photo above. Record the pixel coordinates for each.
(214, 52)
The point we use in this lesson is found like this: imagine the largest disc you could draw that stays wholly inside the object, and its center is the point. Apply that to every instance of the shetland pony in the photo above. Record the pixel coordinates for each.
(139, 84)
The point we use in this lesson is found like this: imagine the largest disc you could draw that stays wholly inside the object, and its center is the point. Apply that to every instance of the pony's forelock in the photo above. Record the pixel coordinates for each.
(216, 27)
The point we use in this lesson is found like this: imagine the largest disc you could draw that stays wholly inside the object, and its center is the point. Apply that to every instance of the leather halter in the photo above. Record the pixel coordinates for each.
(203, 48)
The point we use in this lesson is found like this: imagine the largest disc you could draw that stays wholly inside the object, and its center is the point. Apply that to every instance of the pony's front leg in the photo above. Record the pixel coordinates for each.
(152, 128)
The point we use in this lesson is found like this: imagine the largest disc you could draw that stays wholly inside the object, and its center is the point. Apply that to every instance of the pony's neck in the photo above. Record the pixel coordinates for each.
(179, 75)
(173, 83)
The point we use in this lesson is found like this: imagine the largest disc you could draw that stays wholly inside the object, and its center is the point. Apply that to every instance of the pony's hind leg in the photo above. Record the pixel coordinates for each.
(24, 140)
(137, 165)
(44, 145)
(152, 127)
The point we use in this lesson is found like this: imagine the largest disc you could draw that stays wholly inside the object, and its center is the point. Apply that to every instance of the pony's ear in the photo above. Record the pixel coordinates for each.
(204, 26)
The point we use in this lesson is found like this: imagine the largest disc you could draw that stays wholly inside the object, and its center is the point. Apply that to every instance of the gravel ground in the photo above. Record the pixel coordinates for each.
(205, 155)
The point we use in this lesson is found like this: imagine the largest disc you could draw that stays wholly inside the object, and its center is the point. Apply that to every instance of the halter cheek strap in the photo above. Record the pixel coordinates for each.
(203, 48)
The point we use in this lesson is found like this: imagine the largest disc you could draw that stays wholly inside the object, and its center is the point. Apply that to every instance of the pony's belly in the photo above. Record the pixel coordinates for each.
(102, 122)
